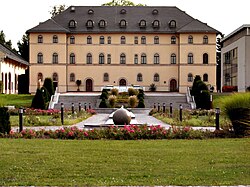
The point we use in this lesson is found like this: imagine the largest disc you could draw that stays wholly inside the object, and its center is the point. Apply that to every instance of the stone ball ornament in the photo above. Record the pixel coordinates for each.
(121, 117)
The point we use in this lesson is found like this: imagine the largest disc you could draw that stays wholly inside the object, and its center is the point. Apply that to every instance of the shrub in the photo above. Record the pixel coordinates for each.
(112, 100)
(48, 84)
(152, 87)
(132, 91)
(46, 95)
(248, 89)
(141, 103)
(4, 120)
(114, 91)
(104, 95)
(103, 104)
(38, 100)
(132, 101)
(237, 108)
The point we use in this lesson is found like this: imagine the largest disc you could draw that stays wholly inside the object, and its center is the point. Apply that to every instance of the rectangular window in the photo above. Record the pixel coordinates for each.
(136, 59)
(109, 59)
(136, 40)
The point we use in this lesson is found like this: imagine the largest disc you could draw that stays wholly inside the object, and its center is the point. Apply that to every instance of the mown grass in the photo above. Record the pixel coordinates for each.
(103, 163)
(22, 100)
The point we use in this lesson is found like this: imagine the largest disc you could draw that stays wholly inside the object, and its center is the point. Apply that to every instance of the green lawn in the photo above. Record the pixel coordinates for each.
(22, 100)
(101, 162)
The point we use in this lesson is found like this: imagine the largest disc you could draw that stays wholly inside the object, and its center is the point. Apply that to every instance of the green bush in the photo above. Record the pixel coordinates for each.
(132, 91)
(237, 108)
(112, 100)
(132, 101)
(48, 84)
(141, 103)
(4, 120)
(104, 95)
(38, 100)
(103, 103)
(152, 87)
(114, 91)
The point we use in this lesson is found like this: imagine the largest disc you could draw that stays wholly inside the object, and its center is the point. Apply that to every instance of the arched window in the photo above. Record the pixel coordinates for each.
(55, 77)
(90, 11)
(55, 58)
(173, 40)
(40, 76)
(136, 59)
(89, 40)
(105, 77)
(156, 24)
(139, 77)
(123, 23)
(190, 39)
(142, 24)
(172, 24)
(123, 40)
(40, 39)
(89, 24)
(72, 77)
(136, 40)
(156, 40)
(101, 58)
(55, 39)
(156, 58)
(72, 40)
(102, 23)
(173, 59)
(143, 58)
(205, 77)
(72, 58)
(109, 58)
(122, 58)
(190, 77)
(109, 39)
(72, 24)
(205, 58)
(156, 77)
(123, 11)
(101, 39)
(190, 58)
(39, 58)
(143, 40)
(89, 58)
(205, 39)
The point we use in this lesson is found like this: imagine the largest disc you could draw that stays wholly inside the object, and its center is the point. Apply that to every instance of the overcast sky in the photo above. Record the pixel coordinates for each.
(17, 16)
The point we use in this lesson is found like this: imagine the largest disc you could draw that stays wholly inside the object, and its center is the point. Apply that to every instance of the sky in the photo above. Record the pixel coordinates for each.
(17, 16)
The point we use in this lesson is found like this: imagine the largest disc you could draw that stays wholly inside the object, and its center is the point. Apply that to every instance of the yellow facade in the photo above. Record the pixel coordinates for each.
(117, 71)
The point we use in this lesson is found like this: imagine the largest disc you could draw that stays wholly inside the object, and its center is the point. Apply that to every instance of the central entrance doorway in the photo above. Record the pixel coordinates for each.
(122, 82)
(89, 85)
(173, 85)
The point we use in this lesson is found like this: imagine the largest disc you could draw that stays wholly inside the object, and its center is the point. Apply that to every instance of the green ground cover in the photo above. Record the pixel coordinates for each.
(159, 162)
(22, 100)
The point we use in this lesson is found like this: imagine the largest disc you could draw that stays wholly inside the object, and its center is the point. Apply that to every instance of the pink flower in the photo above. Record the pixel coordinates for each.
(86, 134)
(11, 132)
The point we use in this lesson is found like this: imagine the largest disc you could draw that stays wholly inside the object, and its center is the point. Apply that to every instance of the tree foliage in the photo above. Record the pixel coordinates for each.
(57, 9)
(23, 47)
(48, 84)
(4, 42)
(38, 100)
(122, 3)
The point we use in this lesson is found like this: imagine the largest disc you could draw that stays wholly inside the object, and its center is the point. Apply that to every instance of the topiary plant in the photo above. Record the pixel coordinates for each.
(4, 120)
(114, 91)
(132, 91)
(132, 101)
(112, 100)
(48, 84)
(141, 103)
(103, 104)
(38, 100)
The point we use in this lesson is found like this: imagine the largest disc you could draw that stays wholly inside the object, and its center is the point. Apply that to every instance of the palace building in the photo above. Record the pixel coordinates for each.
(122, 46)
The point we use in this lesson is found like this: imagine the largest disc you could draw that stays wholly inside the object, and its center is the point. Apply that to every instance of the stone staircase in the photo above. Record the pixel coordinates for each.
(151, 99)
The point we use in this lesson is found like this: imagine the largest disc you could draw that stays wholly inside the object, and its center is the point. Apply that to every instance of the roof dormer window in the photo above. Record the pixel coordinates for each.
(123, 23)
(155, 12)
(90, 11)
(123, 11)
(72, 24)
(142, 24)
(156, 24)
(89, 24)
(102, 23)
(172, 24)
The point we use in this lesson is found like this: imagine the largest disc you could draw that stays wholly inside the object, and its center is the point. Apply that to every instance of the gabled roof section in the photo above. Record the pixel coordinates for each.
(112, 16)
(12, 55)
(48, 26)
(197, 26)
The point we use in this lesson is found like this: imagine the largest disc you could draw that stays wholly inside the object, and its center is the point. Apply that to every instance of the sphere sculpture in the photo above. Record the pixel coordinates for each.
(121, 117)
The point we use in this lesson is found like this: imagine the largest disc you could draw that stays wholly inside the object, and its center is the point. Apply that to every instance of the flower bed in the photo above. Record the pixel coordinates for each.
(128, 132)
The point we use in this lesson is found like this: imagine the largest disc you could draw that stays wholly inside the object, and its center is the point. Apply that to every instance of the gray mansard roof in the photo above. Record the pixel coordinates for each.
(112, 16)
